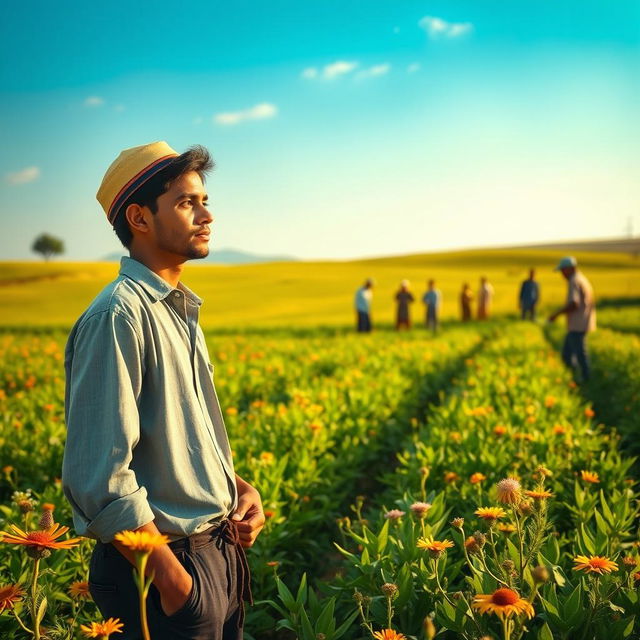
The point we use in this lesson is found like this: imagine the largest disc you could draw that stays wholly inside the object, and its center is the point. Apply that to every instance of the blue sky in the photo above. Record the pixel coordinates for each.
(340, 129)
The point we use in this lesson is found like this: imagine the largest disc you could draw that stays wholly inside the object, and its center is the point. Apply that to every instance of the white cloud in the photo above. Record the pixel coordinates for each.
(339, 68)
(94, 101)
(258, 112)
(437, 27)
(310, 73)
(376, 70)
(413, 67)
(28, 174)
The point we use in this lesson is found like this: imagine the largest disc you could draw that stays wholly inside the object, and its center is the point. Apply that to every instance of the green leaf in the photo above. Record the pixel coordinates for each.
(41, 611)
(286, 596)
(383, 537)
(325, 620)
(545, 633)
(301, 598)
(344, 627)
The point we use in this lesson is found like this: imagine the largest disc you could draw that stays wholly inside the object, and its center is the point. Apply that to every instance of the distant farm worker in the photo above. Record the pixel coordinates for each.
(432, 299)
(404, 298)
(146, 447)
(580, 309)
(466, 298)
(363, 299)
(529, 296)
(485, 296)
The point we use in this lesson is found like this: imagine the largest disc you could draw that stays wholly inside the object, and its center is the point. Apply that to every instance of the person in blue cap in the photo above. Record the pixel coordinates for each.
(580, 310)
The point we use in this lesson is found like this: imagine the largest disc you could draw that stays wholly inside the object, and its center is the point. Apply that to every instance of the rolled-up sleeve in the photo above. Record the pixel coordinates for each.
(104, 367)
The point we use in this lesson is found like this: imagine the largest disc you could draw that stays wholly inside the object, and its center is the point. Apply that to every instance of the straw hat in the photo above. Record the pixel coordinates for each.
(129, 171)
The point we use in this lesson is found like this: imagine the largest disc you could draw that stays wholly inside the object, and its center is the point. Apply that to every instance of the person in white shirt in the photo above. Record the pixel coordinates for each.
(485, 295)
(364, 295)
(580, 309)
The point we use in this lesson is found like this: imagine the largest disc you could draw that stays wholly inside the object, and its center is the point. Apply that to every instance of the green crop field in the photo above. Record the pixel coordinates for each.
(312, 293)
(412, 483)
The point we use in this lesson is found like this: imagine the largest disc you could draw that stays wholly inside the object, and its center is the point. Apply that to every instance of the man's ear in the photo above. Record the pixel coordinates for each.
(137, 217)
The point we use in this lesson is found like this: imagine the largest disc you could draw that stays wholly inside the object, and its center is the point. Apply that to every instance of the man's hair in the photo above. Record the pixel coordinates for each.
(196, 158)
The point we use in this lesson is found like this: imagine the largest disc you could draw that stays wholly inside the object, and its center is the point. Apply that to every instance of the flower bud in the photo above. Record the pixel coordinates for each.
(540, 574)
(390, 590)
(480, 538)
(458, 523)
(429, 628)
(46, 520)
(508, 565)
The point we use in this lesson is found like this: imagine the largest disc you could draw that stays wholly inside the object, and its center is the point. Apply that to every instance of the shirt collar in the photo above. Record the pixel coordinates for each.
(151, 282)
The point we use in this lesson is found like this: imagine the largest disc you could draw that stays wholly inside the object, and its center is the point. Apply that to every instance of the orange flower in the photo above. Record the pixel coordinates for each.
(143, 541)
(559, 430)
(272, 563)
(232, 411)
(47, 506)
(549, 401)
(477, 477)
(269, 513)
(435, 547)
(79, 590)
(46, 539)
(594, 564)
(590, 476)
(455, 436)
(490, 514)
(388, 634)
(450, 476)
(500, 430)
(9, 595)
(506, 528)
(106, 628)
(509, 491)
(589, 413)
(504, 603)
(539, 495)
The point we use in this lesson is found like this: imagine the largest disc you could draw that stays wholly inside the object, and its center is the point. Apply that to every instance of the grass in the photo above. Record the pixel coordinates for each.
(312, 293)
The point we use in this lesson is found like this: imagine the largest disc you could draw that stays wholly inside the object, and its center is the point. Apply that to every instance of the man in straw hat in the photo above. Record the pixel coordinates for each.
(147, 448)
(580, 309)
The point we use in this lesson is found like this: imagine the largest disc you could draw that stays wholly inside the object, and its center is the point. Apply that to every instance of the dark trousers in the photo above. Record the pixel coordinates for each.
(364, 322)
(432, 319)
(574, 349)
(529, 311)
(214, 609)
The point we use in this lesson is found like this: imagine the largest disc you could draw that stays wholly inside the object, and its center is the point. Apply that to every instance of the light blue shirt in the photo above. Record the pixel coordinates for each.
(145, 435)
(432, 298)
(363, 299)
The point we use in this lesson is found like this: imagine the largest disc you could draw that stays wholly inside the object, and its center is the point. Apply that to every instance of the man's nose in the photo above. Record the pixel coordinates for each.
(205, 215)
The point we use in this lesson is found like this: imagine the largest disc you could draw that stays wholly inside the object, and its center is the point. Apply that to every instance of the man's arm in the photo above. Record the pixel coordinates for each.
(248, 516)
(568, 308)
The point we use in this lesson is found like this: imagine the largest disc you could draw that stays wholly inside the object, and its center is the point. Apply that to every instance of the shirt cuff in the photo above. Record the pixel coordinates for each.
(126, 513)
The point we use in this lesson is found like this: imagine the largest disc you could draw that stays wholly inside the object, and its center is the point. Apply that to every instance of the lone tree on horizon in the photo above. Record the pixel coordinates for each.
(47, 245)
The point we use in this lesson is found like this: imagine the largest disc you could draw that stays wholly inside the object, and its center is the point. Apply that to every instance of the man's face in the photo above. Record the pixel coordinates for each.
(181, 224)
(567, 272)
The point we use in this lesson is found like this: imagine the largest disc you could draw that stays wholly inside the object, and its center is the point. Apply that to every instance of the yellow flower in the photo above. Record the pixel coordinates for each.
(503, 603)
(267, 457)
(79, 590)
(506, 528)
(590, 476)
(539, 495)
(509, 491)
(388, 634)
(141, 540)
(46, 539)
(490, 514)
(594, 564)
(9, 595)
(106, 628)
(435, 547)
